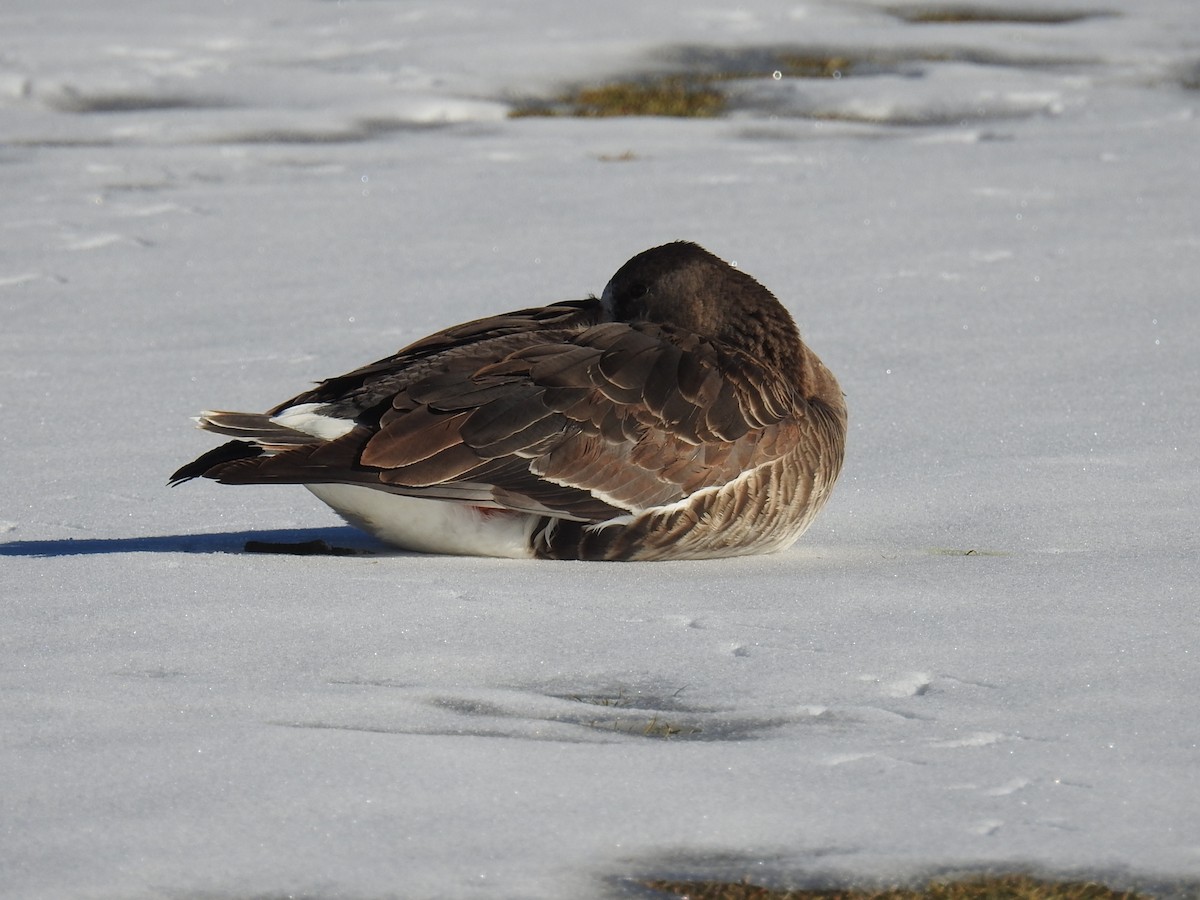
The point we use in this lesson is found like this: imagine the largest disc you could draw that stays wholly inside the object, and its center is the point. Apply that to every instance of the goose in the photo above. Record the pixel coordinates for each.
(678, 415)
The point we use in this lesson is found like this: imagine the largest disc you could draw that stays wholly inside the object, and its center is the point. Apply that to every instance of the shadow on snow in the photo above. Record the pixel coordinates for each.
(223, 542)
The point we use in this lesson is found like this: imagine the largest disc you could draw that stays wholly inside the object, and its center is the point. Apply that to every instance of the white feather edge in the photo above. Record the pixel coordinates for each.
(305, 418)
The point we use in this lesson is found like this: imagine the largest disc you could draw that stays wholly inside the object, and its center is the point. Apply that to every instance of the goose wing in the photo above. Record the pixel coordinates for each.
(551, 411)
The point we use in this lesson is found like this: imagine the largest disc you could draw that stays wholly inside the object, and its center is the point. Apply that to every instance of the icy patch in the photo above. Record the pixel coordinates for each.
(23, 278)
(914, 685)
(977, 739)
(586, 716)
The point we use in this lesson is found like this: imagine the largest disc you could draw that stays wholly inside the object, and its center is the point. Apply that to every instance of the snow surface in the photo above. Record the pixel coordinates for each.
(984, 652)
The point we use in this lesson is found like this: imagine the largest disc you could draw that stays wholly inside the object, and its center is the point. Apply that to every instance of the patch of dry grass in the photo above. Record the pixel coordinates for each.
(690, 96)
(940, 15)
(675, 95)
(1000, 887)
(797, 65)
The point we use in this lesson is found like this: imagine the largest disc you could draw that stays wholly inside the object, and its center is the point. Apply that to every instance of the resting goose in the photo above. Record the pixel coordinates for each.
(677, 416)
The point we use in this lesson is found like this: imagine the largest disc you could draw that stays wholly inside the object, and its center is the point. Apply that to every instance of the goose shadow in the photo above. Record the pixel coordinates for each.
(338, 541)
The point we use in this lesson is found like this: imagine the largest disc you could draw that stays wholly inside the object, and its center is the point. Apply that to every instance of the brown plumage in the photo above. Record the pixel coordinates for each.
(677, 416)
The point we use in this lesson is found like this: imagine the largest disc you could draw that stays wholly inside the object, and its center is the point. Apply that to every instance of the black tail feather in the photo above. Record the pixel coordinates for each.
(218, 456)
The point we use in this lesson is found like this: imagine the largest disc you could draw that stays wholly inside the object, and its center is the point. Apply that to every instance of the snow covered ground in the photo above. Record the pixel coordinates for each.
(983, 654)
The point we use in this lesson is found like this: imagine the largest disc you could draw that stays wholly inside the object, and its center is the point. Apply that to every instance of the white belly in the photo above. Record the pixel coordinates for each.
(431, 526)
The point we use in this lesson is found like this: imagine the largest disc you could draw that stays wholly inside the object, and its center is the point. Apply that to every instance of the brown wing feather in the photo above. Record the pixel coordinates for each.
(452, 350)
